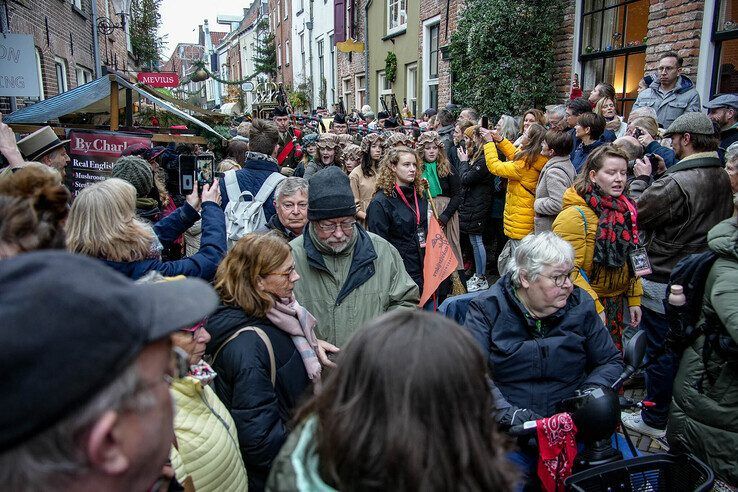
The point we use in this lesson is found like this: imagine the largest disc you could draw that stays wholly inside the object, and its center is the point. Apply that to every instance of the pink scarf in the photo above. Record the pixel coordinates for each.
(295, 320)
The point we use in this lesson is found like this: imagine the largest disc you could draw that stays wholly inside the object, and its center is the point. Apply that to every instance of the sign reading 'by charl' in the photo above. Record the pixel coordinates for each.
(159, 79)
(92, 155)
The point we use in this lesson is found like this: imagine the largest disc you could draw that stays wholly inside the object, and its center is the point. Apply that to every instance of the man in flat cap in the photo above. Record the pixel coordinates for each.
(723, 111)
(675, 212)
(87, 363)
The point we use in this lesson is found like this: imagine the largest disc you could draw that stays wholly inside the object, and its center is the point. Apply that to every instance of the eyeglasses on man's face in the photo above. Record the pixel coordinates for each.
(345, 226)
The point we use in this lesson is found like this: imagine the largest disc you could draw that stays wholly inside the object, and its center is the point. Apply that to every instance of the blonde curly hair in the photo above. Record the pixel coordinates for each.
(387, 177)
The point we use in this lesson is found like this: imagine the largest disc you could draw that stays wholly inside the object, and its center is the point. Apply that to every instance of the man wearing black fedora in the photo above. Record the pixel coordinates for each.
(44, 146)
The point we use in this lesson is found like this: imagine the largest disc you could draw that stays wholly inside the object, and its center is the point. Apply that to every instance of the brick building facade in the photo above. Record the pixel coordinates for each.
(63, 37)
(621, 41)
(280, 21)
(438, 21)
(352, 79)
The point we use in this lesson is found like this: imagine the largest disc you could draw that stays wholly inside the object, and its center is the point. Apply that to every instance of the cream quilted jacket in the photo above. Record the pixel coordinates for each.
(207, 443)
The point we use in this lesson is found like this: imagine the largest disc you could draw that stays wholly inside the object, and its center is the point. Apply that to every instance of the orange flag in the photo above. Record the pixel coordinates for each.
(439, 262)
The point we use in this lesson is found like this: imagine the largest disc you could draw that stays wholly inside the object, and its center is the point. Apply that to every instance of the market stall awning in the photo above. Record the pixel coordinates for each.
(93, 98)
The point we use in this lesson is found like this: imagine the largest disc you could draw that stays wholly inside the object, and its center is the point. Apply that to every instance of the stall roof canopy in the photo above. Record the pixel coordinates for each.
(93, 97)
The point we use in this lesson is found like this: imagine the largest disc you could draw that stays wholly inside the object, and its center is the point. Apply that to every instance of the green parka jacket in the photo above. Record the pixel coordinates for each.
(705, 423)
(345, 290)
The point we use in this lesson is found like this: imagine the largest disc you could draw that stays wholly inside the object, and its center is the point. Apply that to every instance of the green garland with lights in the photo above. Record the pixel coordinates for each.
(200, 65)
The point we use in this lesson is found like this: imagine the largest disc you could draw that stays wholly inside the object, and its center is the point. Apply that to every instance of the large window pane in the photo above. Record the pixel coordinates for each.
(727, 81)
(590, 5)
(591, 28)
(636, 65)
(623, 25)
(637, 24)
(433, 70)
(728, 17)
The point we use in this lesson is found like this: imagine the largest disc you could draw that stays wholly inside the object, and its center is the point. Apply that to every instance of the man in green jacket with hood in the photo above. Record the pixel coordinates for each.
(703, 412)
(348, 275)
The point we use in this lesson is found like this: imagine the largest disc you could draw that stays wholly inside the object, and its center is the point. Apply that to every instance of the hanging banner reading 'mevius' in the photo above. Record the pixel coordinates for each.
(92, 154)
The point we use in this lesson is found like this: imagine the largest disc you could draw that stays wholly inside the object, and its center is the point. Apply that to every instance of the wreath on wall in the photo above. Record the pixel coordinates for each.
(390, 66)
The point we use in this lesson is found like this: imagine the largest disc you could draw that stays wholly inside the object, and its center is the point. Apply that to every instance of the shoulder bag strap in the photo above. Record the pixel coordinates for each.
(267, 342)
(232, 189)
(266, 189)
(584, 218)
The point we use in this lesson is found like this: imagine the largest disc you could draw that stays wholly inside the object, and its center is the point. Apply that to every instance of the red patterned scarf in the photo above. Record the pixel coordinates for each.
(557, 449)
(617, 232)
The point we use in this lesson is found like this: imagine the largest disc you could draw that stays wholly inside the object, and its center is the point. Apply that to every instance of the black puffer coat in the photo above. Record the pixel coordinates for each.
(450, 188)
(476, 184)
(390, 218)
(261, 411)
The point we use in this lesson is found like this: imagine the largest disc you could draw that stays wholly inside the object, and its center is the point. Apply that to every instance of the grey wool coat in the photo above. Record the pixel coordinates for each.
(556, 176)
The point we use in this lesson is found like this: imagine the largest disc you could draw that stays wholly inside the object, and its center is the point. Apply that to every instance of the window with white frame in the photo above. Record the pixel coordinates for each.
(346, 93)
(384, 88)
(40, 75)
(396, 16)
(60, 66)
(287, 52)
(279, 55)
(301, 37)
(332, 48)
(279, 12)
(286, 9)
(411, 81)
(360, 88)
(322, 90)
(78, 4)
(431, 55)
(84, 75)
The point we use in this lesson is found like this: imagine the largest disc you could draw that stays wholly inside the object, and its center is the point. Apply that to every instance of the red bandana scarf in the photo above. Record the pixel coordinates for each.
(557, 448)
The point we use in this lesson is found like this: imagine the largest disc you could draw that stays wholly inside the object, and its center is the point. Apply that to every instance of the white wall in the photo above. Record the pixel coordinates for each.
(322, 30)
(300, 15)
(247, 45)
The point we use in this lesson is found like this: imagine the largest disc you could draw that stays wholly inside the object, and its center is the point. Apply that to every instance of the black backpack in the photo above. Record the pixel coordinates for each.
(691, 273)
(684, 321)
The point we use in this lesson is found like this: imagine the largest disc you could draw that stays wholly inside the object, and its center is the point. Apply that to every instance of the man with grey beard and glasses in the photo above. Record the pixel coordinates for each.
(349, 275)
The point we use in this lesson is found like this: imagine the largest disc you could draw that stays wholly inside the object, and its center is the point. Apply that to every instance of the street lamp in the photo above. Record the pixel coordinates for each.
(106, 26)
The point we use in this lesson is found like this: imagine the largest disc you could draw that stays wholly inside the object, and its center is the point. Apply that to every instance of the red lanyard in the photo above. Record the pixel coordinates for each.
(402, 197)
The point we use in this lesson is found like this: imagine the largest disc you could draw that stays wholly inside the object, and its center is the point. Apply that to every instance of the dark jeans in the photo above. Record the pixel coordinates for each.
(660, 370)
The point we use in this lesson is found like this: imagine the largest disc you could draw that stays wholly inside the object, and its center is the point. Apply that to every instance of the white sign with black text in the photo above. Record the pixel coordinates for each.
(18, 69)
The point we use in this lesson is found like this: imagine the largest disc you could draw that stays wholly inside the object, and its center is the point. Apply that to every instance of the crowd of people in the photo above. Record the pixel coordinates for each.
(278, 308)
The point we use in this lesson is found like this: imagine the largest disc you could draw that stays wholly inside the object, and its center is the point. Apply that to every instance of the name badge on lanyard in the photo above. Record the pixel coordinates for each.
(640, 262)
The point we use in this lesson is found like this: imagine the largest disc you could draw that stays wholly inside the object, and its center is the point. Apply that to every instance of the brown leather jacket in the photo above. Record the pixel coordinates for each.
(677, 210)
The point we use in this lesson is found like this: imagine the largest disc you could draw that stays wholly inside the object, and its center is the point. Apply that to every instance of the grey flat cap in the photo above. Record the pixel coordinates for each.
(697, 123)
(723, 101)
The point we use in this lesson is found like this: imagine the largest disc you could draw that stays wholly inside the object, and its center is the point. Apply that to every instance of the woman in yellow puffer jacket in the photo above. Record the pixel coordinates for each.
(206, 455)
(600, 222)
(522, 169)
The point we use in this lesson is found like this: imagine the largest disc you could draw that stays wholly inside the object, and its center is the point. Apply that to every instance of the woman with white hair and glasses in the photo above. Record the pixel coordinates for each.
(541, 336)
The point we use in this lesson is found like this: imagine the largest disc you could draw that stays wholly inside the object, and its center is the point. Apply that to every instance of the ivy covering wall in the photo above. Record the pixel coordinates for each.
(502, 54)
